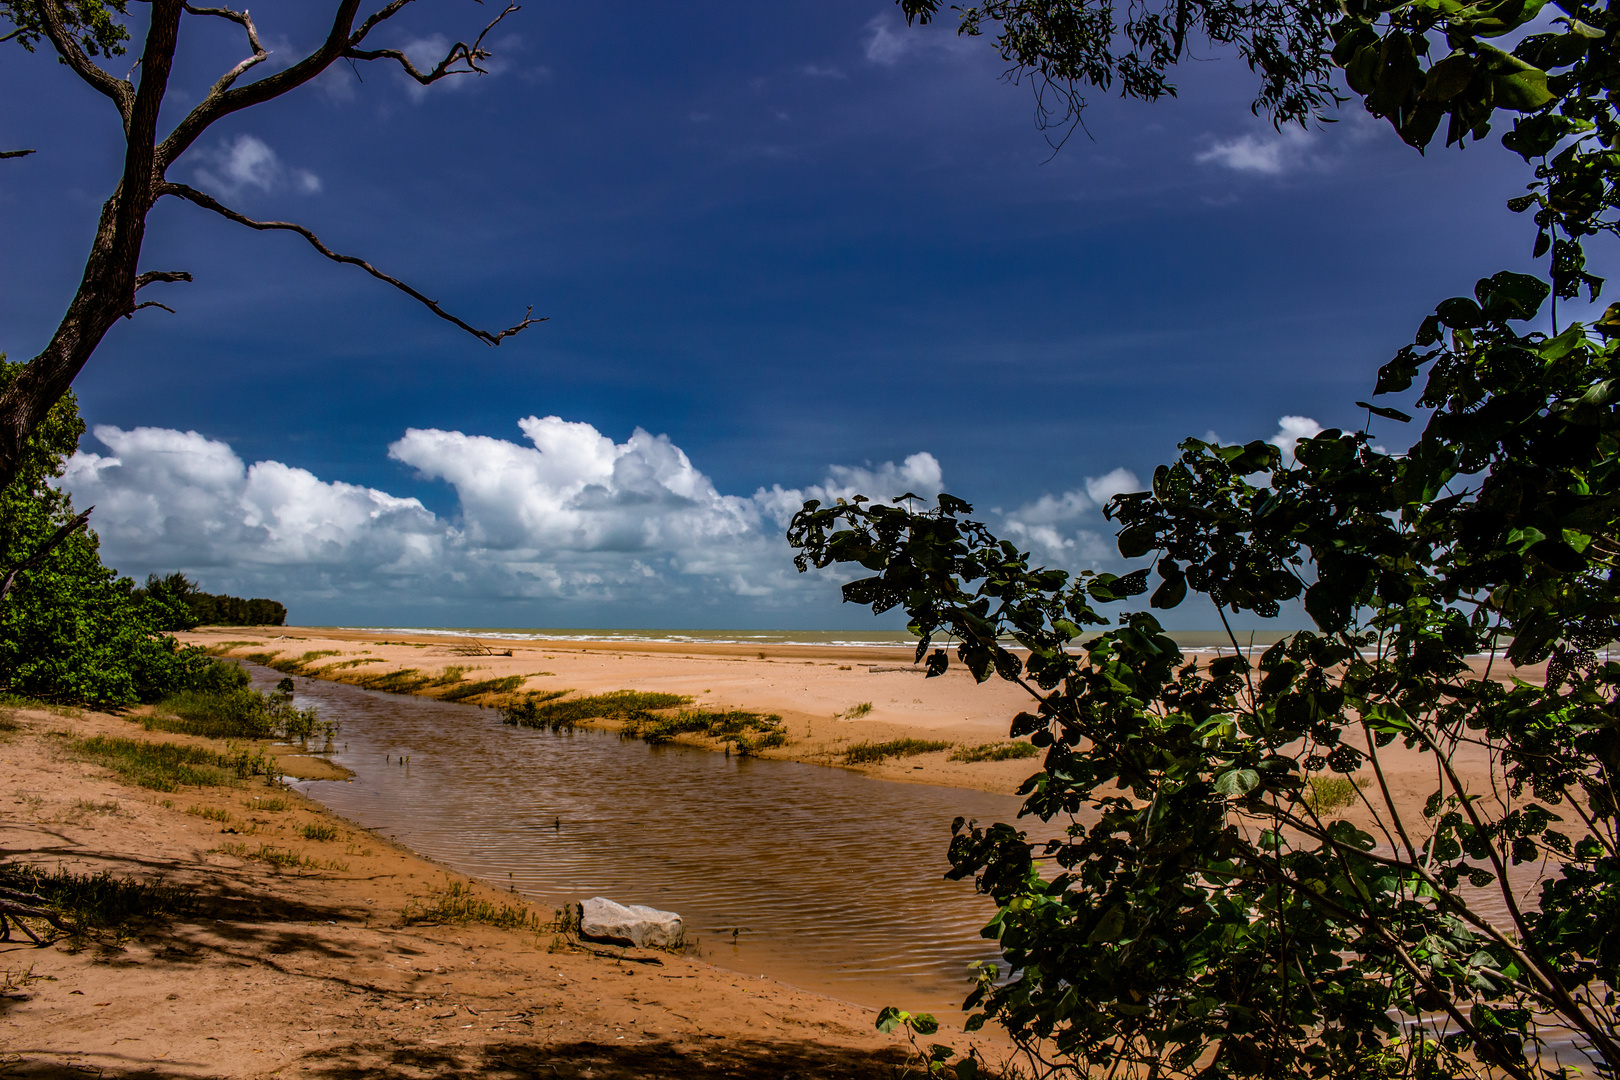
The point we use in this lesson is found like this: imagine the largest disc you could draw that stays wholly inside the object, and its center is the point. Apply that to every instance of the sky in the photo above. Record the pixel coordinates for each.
(785, 251)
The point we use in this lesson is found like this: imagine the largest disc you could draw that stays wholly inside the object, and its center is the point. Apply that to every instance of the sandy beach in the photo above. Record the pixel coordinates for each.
(813, 688)
(314, 965)
(314, 970)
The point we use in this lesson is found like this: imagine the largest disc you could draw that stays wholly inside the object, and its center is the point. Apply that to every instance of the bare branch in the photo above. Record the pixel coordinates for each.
(67, 47)
(460, 52)
(152, 276)
(130, 314)
(15, 153)
(208, 202)
(241, 18)
(44, 550)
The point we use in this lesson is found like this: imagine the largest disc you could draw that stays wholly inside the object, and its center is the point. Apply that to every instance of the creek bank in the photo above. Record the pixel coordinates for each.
(830, 698)
(312, 967)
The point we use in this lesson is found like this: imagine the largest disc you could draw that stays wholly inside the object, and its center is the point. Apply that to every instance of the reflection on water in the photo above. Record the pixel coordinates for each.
(826, 879)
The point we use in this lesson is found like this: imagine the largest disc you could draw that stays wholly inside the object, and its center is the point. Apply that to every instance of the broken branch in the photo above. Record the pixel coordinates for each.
(208, 202)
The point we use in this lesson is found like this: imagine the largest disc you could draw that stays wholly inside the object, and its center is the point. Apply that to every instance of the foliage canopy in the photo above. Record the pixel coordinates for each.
(1200, 914)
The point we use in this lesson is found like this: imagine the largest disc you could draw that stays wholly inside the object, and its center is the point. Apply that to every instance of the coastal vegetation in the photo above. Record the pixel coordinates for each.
(1210, 914)
(996, 751)
(169, 767)
(96, 903)
(871, 753)
(457, 902)
(190, 607)
(223, 706)
(71, 630)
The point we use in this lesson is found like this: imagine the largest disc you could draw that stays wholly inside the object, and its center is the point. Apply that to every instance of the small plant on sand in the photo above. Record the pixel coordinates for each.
(402, 681)
(356, 662)
(210, 813)
(855, 712)
(301, 665)
(551, 710)
(273, 804)
(319, 831)
(871, 753)
(92, 903)
(483, 686)
(995, 751)
(164, 766)
(458, 902)
(1325, 793)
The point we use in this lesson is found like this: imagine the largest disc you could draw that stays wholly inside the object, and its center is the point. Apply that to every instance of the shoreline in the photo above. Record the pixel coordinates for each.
(314, 969)
(811, 687)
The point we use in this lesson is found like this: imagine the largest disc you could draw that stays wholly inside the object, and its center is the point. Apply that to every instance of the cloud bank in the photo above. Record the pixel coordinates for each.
(568, 517)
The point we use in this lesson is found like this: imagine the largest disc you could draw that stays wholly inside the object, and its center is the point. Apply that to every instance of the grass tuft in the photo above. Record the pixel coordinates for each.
(319, 831)
(98, 901)
(458, 903)
(288, 666)
(1326, 793)
(990, 751)
(164, 766)
(210, 813)
(871, 753)
(544, 709)
(465, 690)
(855, 712)
(748, 732)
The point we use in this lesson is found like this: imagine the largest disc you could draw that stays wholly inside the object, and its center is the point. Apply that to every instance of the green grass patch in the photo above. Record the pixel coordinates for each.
(290, 666)
(855, 712)
(226, 646)
(318, 831)
(210, 813)
(871, 753)
(98, 902)
(281, 857)
(458, 903)
(263, 658)
(449, 676)
(1006, 751)
(747, 732)
(549, 710)
(403, 681)
(462, 691)
(1327, 793)
(164, 766)
(341, 664)
(238, 712)
(272, 805)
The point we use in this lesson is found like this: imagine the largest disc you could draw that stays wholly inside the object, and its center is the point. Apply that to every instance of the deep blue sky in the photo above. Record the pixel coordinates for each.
(785, 235)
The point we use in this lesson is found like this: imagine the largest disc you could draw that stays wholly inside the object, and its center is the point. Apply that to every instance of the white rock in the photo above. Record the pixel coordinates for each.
(601, 919)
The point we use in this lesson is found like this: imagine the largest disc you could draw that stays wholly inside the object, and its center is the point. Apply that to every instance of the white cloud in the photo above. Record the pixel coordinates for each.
(1291, 429)
(1051, 525)
(1271, 153)
(887, 42)
(568, 515)
(817, 71)
(248, 162)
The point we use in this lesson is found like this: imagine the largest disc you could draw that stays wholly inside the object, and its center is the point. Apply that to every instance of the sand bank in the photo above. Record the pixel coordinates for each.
(312, 970)
(813, 688)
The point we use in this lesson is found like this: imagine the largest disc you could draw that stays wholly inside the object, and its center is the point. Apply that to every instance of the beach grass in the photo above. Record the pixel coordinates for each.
(97, 902)
(1003, 751)
(553, 711)
(871, 753)
(164, 766)
(463, 691)
(457, 903)
(1324, 794)
(747, 732)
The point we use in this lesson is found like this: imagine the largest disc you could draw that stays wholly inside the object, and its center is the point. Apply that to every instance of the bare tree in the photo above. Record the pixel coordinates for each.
(79, 31)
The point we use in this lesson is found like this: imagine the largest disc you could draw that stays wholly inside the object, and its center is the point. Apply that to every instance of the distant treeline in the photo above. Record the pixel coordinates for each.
(186, 606)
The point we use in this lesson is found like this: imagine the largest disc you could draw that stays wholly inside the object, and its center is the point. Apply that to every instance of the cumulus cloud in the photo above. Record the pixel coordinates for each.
(1291, 429)
(1271, 153)
(248, 162)
(886, 42)
(568, 514)
(1054, 527)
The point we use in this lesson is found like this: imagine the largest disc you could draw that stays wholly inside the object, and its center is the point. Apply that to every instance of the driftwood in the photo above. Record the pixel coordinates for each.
(16, 906)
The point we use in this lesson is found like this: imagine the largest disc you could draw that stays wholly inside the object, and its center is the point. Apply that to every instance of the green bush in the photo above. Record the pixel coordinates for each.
(871, 753)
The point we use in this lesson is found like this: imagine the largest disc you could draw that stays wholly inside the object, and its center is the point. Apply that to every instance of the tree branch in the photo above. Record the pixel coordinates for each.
(44, 550)
(15, 153)
(208, 202)
(241, 18)
(67, 47)
(151, 276)
(458, 53)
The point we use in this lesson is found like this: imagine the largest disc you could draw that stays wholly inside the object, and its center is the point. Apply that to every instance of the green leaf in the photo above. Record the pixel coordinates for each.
(1237, 782)
(890, 1018)
(1387, 414)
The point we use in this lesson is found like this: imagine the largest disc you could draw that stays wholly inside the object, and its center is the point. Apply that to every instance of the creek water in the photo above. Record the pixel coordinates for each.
(820, 877)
